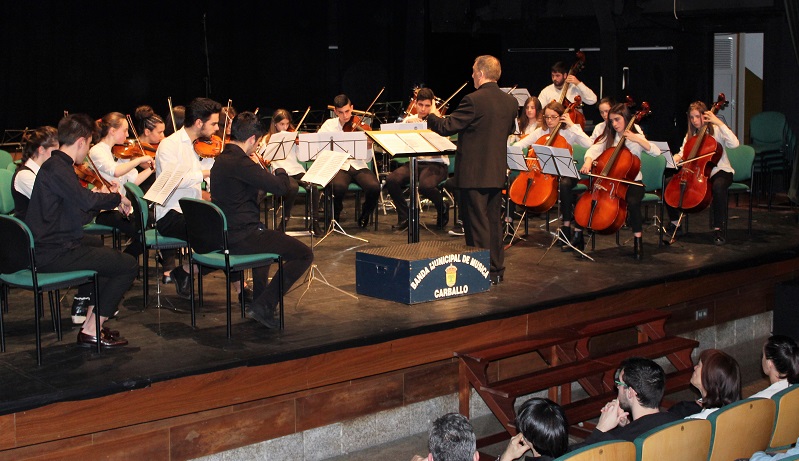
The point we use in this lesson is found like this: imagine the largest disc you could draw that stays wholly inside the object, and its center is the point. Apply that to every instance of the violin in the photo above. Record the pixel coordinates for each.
(576, 116)
(88, 176)
(356, 123)
(209, 147)
(603, 208)
(535, 189)
(131, 150)
(440, 104)
(689, 190)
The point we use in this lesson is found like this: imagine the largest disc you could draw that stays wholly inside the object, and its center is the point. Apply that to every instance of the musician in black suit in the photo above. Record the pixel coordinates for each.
(483, 121)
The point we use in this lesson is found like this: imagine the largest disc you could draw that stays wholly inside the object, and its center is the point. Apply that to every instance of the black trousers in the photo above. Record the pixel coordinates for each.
(719, 188)
(566, 195)
(481, 211)
(127, 225)
(115, 272)
(430, 176)
(634, 218)
(364, 178)
(297, 258)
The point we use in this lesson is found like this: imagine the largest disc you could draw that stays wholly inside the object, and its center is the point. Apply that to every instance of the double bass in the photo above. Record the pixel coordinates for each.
(576, 116)
(603, 208)
(689, 190)
(535, 189)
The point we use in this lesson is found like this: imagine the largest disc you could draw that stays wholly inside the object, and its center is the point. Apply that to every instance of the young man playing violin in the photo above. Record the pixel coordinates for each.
(59, 207)
(237, 182)
(176, 152)
(432, 171)
(353, 169)
(560, 76)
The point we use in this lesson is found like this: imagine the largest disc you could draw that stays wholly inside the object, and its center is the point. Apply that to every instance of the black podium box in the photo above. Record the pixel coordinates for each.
(786, 309)
(420, 272)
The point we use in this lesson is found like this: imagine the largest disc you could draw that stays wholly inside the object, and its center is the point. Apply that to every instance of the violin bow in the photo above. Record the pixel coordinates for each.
(171, 113)
(135, 135)
(227, 121)
(453, 94)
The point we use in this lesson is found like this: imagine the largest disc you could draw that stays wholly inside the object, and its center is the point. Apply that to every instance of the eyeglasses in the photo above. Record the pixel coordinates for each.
(551, 117)
(620, 383)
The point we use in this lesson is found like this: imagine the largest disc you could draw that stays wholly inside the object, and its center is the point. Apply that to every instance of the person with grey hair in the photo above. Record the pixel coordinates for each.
(451, 439)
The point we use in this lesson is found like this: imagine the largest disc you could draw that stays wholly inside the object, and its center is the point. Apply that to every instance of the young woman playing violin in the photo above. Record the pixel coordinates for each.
(281, 121)
(113, 129)
(573, 134)
(618, 119)
(720, 176)
(38, 145)
(149, 125)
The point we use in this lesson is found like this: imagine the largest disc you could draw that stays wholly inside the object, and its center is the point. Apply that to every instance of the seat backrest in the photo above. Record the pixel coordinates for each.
(15, 251)
(615, 450)
(12, 167)
(786, 424)
(741, 428)
(741, 159)
(5, 159)
(578, 154)
(686, 439)
(652, 169)
(767, 129)
(139, 205)
(6, 199)
(206, 225)
(134, 188)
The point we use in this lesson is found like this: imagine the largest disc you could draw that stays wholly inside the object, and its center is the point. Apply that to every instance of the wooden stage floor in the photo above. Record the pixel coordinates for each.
(163, 346)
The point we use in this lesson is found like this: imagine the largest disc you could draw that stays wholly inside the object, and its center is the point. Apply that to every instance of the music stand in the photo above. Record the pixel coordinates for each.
(516, 162)
(325, 166)
(353, 144)
(557, 161)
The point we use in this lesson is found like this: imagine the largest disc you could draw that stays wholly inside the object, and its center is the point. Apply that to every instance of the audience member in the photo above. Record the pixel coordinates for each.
(640, 383)
(717, 377)
(451, 439)
(763, 456)
(780, 362)
(542, 429)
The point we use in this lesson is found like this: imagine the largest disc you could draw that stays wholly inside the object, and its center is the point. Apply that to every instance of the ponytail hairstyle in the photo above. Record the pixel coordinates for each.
(784, 354)
(109, 120)
(44, 136)
(146, 118)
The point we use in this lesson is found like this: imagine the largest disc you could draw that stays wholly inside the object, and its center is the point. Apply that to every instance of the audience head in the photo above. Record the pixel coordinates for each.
(718, 378)
(543, 424)
(781, 359)
(452, 439)
(646, 378)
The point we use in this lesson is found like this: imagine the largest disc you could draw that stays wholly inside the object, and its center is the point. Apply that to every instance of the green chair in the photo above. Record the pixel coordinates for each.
(653, 169)
(752, 417)
(786, 423)
(742, 160)
(5, 159)
(206, 226)
(12, 167)
(685, 439)
(614, 450)
(18, 269)
(768, 133)
(6, 199)
(150, 239)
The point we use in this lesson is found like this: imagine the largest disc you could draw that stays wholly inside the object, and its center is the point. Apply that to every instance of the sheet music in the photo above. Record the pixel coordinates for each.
(439, 142)
(521, 94)
(392, 143)
(665, 151)
(416, 142)
(279, 144)
(556, 161)
(516, 159)
(326, 165)
(403, 126)
(165, 184)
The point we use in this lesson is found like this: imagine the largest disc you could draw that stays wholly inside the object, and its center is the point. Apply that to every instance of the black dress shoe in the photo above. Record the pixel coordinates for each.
(264, 315)
(109, 332)
(182, 282)
(497, 279)
(106, 341)
(718, 237)
(315, 229)
(402, 225)
(363, 221)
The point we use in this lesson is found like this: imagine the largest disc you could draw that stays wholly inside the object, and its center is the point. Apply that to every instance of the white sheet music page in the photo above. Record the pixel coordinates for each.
(163, 186)
(416, 142)
(439, 142)
(284, 139)
(392, 143)
(326, 165)
(403, 126)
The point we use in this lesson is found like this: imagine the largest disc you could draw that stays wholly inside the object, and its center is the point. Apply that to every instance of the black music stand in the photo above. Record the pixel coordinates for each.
(558, 162)
(516, 162)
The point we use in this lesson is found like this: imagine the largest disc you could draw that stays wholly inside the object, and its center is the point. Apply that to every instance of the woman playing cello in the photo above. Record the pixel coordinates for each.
(720, 175)
(573, 134)
(618, 119)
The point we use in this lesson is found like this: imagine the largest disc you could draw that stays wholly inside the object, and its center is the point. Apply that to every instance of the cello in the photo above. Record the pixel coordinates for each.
(689, 190)
(576, 116)
(535, 189)
(603, 208)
